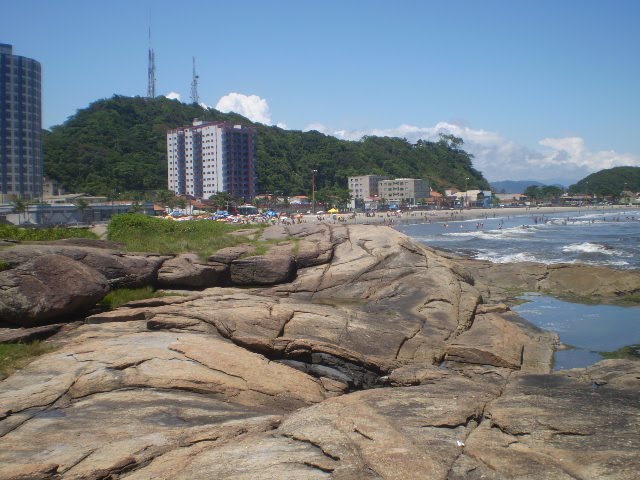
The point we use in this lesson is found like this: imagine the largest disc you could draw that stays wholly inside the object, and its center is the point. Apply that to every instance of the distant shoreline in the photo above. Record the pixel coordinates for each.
(428, 216)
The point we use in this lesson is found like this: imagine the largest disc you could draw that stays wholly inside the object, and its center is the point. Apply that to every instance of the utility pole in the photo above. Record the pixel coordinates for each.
(313, 190)
(194, 85)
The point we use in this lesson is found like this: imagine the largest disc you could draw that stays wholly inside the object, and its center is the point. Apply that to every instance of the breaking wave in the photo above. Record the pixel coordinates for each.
(589, 247)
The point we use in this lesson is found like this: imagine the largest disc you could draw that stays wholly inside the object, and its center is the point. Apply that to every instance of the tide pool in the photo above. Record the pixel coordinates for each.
(589, 329)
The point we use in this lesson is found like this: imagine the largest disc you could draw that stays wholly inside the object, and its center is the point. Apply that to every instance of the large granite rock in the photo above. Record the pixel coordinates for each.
(278, 266)
(48, 286)
(279, 382)
(188, 271)
(122, 270)
(52, 281)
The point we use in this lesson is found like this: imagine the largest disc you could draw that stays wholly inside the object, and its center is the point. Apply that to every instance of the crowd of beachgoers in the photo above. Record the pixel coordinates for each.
(389, 218)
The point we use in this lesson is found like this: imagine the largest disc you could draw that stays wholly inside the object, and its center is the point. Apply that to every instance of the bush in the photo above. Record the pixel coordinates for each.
(12, 232)
(141, 233)
(117, 298)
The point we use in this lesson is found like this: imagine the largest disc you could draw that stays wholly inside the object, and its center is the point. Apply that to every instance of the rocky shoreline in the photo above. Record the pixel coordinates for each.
(349, 352)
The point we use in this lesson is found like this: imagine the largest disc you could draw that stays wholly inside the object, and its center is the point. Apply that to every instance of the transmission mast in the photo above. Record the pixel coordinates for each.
(151, 88)
(194, 85)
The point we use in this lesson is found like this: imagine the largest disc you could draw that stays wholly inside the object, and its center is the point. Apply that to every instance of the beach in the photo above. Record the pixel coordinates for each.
(426, 216)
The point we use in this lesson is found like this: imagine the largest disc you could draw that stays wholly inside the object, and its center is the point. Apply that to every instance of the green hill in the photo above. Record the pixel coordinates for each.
(118, 146)
(609, 182)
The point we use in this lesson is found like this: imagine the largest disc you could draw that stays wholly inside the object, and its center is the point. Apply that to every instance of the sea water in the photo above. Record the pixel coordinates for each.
(595, 237)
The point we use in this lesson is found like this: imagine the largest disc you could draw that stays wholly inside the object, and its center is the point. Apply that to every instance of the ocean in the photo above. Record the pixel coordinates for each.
(595, 237)
(604, 237)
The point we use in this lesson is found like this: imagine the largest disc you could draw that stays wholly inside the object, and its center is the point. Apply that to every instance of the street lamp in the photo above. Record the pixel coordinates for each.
(466, 202)
(587, 191)
(313, 191)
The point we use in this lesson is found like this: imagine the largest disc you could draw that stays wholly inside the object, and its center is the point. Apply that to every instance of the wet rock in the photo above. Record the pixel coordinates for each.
(499, 282)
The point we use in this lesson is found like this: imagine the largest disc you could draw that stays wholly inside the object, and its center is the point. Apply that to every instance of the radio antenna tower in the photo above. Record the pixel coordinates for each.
(151, 88)
(194, 85)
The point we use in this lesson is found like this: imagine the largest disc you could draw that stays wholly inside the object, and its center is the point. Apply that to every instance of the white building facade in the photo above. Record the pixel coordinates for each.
(211, 157)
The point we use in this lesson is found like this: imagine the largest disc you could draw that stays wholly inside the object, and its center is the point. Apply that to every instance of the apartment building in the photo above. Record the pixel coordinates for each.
(211, 157)
(21, 163)
(364, 186)
(408, 191)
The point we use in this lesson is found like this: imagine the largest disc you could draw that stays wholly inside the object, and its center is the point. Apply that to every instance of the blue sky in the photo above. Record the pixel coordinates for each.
(545, 90)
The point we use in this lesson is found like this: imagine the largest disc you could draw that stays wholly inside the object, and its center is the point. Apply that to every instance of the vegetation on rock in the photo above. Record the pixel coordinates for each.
(141, 233)
(12, 232)
(14, 356)
(121, 296)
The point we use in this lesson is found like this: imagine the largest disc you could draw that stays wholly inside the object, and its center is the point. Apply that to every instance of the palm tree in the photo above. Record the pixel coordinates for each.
(19, 206)
(82, 205)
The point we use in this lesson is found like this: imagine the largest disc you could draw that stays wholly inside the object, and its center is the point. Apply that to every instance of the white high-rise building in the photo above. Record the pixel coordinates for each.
(212, 157)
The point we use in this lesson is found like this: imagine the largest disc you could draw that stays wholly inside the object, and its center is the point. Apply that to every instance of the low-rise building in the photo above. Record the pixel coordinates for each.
(473, 199)
(364, 186)
(404, 191)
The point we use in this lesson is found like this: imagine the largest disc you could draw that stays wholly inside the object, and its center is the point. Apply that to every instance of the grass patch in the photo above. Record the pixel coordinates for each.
(13, 232)
(14, 356)
(4, 265)
(633, 299)
(119, 297)
(141, 233)
(631, 352)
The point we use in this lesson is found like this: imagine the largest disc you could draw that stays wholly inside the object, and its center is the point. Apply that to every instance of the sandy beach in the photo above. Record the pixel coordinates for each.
(418, 216)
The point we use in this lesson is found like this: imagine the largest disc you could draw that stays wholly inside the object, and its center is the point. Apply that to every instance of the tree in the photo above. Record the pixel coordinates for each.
(222, 200)
(533, 192)
(551, 193)
(19, 206)
(82, 205)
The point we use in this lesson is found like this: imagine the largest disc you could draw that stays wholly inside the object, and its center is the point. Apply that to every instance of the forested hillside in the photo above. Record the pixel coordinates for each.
(611, 181)
(118, 146)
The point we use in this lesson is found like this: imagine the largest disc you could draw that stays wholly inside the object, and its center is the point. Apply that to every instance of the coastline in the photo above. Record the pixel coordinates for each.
(428, 216)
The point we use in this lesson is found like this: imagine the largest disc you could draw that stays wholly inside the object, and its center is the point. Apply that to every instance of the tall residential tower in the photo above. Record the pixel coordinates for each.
(212, 157)
(21, 164)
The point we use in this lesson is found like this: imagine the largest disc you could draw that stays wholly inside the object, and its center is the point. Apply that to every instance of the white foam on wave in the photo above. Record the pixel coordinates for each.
(496, 257)
(512, 233)
(589, 247)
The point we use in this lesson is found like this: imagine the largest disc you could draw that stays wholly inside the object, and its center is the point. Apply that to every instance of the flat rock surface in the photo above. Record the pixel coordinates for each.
(385, 362)
(501, 281)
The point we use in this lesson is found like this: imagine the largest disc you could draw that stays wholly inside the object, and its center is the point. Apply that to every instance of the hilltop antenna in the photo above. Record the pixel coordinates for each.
(151, 88)
(194, 84)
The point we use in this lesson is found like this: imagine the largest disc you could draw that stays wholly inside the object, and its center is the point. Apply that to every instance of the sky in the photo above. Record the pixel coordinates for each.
(545, 90)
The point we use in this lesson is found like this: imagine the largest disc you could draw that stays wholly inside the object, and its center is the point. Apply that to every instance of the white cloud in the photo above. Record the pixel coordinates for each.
(560, 160)
(319, 127)
(253, 107)
(173, 96)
